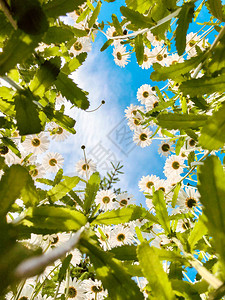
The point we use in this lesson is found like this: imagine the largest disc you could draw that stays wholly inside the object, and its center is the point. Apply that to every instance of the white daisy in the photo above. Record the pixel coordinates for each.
(37, 172)
(145, 92)
(36, 144)
(152, 102)
(85, 167)
(154, 40)
(125, 199)
(142, 137)
(10, 157)
(183, 225)
(52, 162)
(104, 236)
(105, 199)
(59, 100)
(165, 148)
(174, 166)
(174, 59)
(188, 199)
(76, 257)
(132, 110)
(147, 61)
(76, 290)
(159, 55)
(147, 182)
(122, 235)
(121, 57)
(82, 44)
(162, 185)
(135, 121)
(58, 133)
(94, 289)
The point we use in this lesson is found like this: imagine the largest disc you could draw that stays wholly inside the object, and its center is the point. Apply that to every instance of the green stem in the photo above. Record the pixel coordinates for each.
(11, 82)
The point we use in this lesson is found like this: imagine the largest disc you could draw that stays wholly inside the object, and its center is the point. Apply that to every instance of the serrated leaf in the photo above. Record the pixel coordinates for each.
(111, 272)
(124, 215)
(153, 271)
(211, 185)
(53, 219)
(45, 76)
(106, 45)
(139, 49)
(17, 49)
(11, 185)
(136, 18)
(161, 210)
(175, 194)
(62, 188)
(91, 190)
(213, 133)
(181, 121)
(94, 15)
(184, 19)
(177, 71)
(56, 8)
(197, 233)
(29, 193)
(74, 63)
(140, 5)
(27, 118)
(216, 9)
(203, 85)
(71, 91)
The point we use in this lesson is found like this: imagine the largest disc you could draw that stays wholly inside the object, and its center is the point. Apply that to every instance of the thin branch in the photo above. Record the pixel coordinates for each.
(11, 82)
(5, 9)
(35, 265)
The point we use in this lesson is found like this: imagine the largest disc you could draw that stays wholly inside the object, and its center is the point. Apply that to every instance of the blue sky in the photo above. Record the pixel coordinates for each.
(103, 79)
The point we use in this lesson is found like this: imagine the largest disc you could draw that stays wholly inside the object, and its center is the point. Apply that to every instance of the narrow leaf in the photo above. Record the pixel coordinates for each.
(91, 190)
(139, 49)
(161, 210)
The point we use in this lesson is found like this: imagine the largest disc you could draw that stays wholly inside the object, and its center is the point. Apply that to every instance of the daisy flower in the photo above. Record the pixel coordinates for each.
(174, 59)
(76, 257)
(147, 61)
(25, 294)
(152, 102)
(58, 133)
(165, 148)
(85, 167)
(174, 166)
(145, 92)
(10, 157)
(122, 235)
(159, 55)
(121, 57)
(154, 40)
(37, 172)
(183, 225)
(81, 45)
(104, 236)
(188, 198)
(76, 290)
(94, 289)
(36, 144)
(147, 182)
(105, 199)
(135, 121)
(132, 110)
(125, 199)
(59, 100)
(52, 162)
(142, 137)
(162, 185)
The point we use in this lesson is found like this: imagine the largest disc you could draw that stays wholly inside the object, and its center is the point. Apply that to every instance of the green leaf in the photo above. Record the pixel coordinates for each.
(175, 194)
(64, 267)
(56, 8)
(106, 44)
(61, 189)
(126, 252)
(136, 18)
(91, 190)
(153, 271)
(197, 233)
(124, 215)
(161, 210)
(110, 271)
(95, 14)
(71, 91)
(140, 5)
(184, 18)
(46, 75)
(216, 9)
(139, 49)
(213, 133)
(58, 35)
(74, 63)
(11, 185)
(181, 121)
(29, 193)
(30, 16)
(186, 289)
(27, 118)
(203, 85)
(177, 71)
(117, 25)
(17, 49)
(54, 219)
(211, 185)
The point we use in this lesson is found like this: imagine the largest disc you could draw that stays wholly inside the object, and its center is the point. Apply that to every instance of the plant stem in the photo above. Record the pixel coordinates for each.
(11, 82)
(6, 10)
